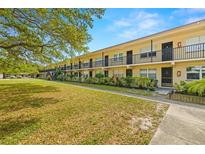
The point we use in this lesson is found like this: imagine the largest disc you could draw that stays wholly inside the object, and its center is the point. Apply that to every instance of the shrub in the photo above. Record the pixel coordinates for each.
(107, 80)
(123, 82)
(49, 77)
(60, 77)
(112, 81)
(140, 82)
(194, 87)
(67, 77)
(101, 80)
(181, 87)
(87, 80)
(99, 75)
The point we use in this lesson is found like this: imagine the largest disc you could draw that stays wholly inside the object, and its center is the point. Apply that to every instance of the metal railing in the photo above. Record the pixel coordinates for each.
(170, 54)
(85, 65)
(75, 67)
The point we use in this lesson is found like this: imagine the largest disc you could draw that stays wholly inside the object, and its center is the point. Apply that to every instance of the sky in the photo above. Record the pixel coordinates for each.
(121, 25)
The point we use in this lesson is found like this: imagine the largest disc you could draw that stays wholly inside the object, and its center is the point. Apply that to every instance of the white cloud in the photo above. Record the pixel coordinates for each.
(191, 15)
(137, 24)
(129, 34)
(122, 23)
(148, 23)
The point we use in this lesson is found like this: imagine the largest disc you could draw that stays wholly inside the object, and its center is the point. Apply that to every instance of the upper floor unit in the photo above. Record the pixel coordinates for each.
(182, 43)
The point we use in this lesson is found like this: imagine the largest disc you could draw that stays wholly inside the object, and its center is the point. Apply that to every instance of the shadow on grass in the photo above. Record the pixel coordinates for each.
(19, 96)
(12, 127)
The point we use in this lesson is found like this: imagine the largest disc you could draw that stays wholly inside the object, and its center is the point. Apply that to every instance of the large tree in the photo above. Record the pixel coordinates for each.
(40, 36)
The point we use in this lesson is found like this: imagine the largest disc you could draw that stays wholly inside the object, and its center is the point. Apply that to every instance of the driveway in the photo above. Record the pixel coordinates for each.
(181, 125)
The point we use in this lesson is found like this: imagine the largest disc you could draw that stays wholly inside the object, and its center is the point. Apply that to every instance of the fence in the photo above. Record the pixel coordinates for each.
(187, 98)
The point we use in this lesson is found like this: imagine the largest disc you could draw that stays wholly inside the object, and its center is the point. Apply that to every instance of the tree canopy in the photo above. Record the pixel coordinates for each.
(35, 37)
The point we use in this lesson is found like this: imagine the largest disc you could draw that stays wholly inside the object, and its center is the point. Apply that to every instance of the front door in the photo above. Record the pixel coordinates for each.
(129, 57)
(91, 63)
(167, 51)
(128, 72)
(167, 77)
(90, 74)
(79, 64)
(106, 60)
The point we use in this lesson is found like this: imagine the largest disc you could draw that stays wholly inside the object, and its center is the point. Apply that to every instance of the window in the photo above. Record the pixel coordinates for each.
(129, 72)
(143, 55)
(193, 40)
(98, 61)
(118, 73)
(143, 72)
(148, 73)
(203, 71)
(153, 54)
(86, 64)
(195, 73)
(118, 57)
(194, 43)
(146, 52)
(106, 73)
(152, 74)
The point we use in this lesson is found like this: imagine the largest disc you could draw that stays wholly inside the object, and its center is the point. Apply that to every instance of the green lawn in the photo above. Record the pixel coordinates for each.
(114, 88)
(43, 112)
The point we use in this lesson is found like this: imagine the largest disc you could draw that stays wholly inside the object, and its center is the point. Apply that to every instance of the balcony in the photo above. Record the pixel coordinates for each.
(98, 63)
(169, 54)
(76, 66)
(68, 67)
(85, 65)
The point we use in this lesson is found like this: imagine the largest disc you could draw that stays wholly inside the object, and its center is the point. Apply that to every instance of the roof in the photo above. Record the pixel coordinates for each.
(178, 27)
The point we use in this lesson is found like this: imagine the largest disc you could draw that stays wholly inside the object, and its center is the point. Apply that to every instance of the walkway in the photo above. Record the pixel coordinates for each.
(183, 123)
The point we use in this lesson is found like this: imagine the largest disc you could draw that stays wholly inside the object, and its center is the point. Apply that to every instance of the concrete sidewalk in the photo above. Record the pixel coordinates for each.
(181, 125)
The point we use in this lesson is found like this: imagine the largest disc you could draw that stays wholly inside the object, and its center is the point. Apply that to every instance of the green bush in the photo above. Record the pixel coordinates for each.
(60, 77)
(99, 75)
(152, 85)
(131, 82)
(196, 87)
(140, 82)
(107, 80)
(193, 88)
(181, 87)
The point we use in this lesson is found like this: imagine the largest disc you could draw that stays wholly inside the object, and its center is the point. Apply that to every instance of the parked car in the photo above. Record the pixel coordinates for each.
(12, 77)
(19, 76)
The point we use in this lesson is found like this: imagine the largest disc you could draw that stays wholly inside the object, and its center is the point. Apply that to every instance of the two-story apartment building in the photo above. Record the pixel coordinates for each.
(168, 56)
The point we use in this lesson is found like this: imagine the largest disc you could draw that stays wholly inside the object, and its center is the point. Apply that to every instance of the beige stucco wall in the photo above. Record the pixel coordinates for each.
(175, 36)
(181, 66)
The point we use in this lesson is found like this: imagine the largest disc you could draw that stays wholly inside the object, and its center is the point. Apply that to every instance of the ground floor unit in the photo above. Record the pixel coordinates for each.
(167, 73)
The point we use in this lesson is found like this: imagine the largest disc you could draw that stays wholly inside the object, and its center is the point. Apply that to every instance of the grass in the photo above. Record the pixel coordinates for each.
(114, 88)
(43, 112)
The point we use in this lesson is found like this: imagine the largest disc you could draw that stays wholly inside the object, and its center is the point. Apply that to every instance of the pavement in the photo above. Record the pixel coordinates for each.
(184, 123)
(181, 125)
